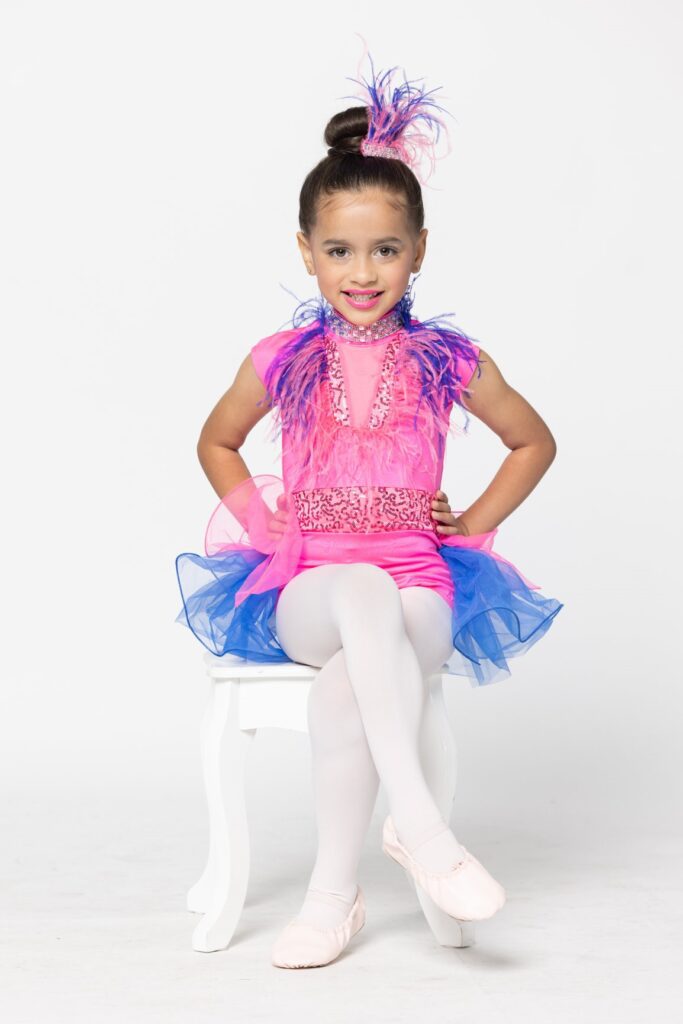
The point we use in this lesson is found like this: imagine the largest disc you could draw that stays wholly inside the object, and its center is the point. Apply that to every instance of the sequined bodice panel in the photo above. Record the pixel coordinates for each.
(360, 380)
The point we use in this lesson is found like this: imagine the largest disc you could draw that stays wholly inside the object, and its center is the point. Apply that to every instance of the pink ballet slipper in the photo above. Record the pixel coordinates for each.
(467, 892)
(303, 945)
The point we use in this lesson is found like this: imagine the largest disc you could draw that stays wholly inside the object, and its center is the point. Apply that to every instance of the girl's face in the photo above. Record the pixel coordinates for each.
(362, 242)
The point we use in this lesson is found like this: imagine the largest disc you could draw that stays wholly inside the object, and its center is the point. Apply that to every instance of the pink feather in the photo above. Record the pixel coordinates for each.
(394, 112)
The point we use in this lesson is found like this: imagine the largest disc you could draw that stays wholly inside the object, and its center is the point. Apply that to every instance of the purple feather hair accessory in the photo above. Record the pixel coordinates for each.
(393, 116)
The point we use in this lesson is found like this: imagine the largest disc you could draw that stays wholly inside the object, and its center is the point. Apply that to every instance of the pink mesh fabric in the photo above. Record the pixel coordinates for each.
(257, 513)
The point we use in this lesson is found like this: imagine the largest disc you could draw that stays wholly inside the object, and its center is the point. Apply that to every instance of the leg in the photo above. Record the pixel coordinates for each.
(345, 779)
(355, 616)
(345, 785)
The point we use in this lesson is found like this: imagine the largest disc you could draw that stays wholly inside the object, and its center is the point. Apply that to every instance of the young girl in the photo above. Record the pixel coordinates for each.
(353, 562)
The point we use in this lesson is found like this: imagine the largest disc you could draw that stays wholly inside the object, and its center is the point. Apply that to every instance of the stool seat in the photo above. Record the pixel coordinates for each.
(245, 696)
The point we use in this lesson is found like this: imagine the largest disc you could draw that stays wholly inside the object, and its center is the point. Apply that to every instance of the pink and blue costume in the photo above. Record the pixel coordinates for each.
(363, 414)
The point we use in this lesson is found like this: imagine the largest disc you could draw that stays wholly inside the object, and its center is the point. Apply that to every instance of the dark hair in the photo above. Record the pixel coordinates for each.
(346, 169)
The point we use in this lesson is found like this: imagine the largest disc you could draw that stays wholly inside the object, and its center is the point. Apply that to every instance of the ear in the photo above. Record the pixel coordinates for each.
(420, 249)
(305, 250)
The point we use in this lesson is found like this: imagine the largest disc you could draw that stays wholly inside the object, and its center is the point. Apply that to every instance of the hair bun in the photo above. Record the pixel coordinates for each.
(345, 131)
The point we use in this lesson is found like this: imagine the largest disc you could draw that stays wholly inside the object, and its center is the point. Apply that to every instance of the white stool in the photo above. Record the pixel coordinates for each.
(249, 695)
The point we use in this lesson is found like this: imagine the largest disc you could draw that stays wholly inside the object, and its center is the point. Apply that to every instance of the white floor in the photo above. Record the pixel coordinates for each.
(94, 925)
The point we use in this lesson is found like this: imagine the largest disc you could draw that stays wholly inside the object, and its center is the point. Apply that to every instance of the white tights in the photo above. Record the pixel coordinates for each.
(375, 645)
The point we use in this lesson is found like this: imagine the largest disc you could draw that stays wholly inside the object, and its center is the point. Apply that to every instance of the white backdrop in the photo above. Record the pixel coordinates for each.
(153, 155)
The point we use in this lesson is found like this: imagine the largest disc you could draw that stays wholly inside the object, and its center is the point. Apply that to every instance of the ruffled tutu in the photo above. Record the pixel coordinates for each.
(497, 613)
(252, 548)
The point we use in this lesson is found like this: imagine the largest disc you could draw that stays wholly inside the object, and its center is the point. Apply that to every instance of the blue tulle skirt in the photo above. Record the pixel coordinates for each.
(495, 616)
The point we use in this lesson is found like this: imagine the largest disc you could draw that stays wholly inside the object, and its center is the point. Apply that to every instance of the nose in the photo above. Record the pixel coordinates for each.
(364, 274)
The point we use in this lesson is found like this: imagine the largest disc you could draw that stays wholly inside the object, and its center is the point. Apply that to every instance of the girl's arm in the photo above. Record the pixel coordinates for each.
(520, 428)
(226, 429)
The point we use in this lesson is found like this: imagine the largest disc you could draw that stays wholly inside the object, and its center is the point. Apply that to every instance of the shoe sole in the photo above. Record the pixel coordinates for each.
(299, 967)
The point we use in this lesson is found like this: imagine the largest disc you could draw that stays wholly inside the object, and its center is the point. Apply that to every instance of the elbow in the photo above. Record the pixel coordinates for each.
(201, 453)
(550, 450)
(204, 449)
(544, 449)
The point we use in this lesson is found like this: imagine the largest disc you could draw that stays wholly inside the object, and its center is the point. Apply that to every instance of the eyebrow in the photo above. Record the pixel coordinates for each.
(378, 241)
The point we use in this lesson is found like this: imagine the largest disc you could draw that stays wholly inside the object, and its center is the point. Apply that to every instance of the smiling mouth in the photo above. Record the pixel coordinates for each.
(363, 295)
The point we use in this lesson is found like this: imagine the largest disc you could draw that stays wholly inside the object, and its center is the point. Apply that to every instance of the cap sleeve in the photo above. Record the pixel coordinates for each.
(265, 350)
(466, 365)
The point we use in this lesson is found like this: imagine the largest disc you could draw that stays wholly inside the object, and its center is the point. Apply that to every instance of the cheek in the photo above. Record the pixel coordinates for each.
(398, 271)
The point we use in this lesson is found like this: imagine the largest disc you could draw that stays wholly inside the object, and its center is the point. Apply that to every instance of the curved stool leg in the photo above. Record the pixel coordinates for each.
(439, 764)
(199, 896)
(220, 892)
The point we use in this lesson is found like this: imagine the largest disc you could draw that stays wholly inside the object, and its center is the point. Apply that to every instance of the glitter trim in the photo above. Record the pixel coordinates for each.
(388, 324)
(363, 509)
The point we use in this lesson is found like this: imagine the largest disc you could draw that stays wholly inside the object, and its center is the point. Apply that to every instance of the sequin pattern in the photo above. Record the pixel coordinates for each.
(366, 509)
(380, 405)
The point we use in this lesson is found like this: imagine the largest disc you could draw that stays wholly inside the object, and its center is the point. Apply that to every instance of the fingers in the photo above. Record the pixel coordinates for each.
(440, 504)
(441, 513)
(278, 523)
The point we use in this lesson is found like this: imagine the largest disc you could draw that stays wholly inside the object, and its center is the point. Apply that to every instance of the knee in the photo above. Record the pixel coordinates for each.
(427, 618)
(364, 584)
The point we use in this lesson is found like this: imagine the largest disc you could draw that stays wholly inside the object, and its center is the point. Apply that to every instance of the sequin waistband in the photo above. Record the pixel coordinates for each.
(364, 509)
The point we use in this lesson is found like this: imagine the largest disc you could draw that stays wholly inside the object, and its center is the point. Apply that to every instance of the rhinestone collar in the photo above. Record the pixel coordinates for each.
(388, 324)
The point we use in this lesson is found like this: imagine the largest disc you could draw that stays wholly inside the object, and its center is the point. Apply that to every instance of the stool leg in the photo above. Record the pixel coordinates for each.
(439, 765)
(199, 896)
(221, 891)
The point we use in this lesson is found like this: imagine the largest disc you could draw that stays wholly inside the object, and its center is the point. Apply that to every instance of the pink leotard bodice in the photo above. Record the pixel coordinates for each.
(366, 492)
